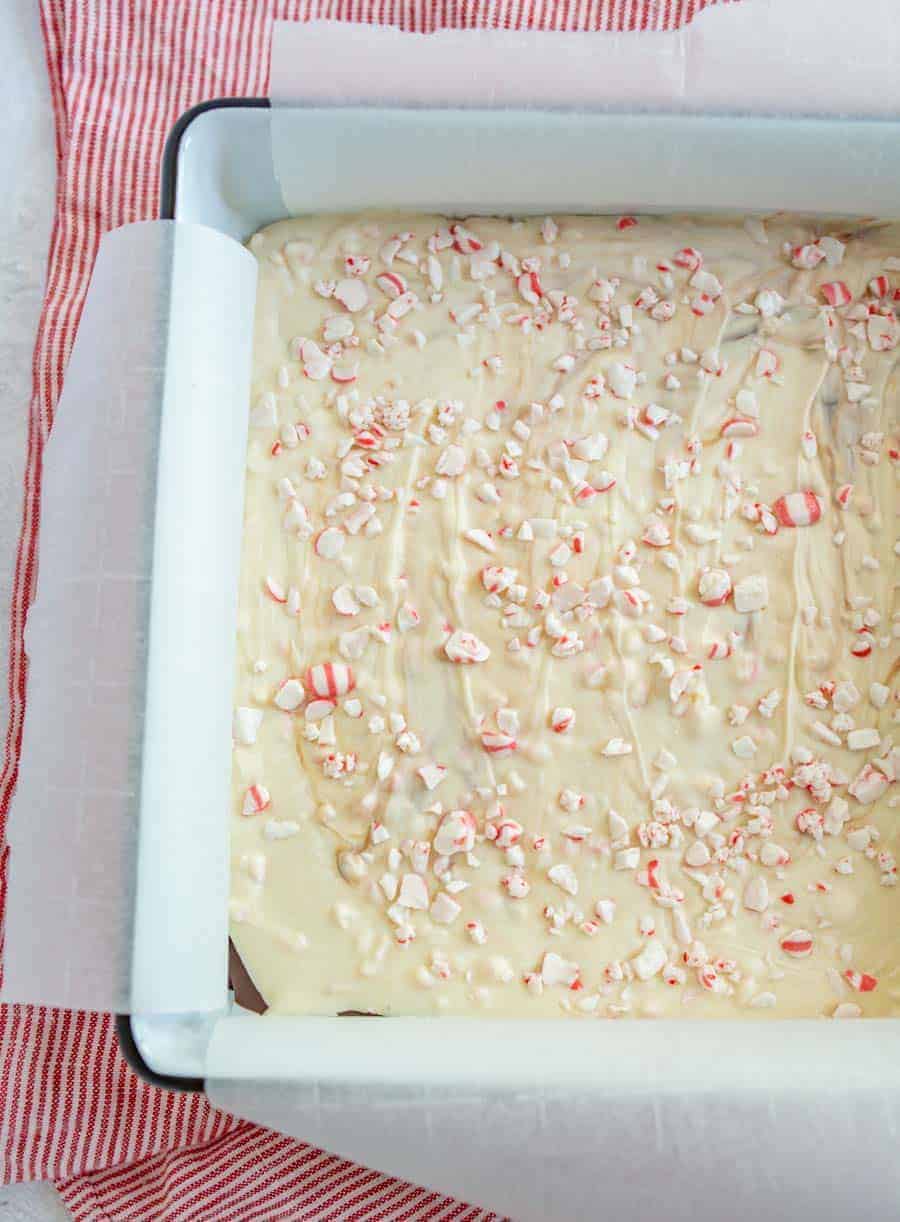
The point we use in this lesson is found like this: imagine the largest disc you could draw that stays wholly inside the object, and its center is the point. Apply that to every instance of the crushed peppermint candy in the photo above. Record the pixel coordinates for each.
(539, 669)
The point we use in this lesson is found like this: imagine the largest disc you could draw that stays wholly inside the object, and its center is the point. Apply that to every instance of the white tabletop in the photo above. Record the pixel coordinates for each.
(27, 173)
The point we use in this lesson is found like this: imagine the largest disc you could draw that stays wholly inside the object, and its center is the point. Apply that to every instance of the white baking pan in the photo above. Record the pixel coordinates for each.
(219, 173)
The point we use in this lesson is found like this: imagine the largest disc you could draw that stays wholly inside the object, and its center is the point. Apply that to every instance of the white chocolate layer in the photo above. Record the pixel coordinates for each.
(600, 517)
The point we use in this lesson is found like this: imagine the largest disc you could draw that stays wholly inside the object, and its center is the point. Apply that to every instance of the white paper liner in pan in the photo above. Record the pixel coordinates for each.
(769, 57)
(571, 1155)
(126, 753)
(623, 138)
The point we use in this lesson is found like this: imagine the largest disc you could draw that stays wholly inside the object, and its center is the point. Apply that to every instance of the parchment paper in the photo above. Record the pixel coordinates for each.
(153, 409)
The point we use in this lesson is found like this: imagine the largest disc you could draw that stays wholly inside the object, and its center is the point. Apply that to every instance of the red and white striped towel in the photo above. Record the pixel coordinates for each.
(121, 71)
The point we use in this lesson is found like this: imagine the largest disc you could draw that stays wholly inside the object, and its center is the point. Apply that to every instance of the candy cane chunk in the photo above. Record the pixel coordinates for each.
(861, 981)
(564, 877)
(863, 739)
(444, 909)
(289, 695)
(773, 855)
(316, 363)
(558, 971)
(431, 775)
(883, 332)
(352, 294)
(714, 587)
(868, 786)
(455, 834)
(798, 944)
(413, 892)
(465, 648)
(391, 284)
(836, 293)
(496, 579)
(495, 742)
(452, 462)
(329, 680)
(245, 725)
(798, 509)
(329, 543)
(529, 286)
(344, 601)
(740, 426)
(650, 962)
(256, 800)
(562, 720)
(751, 594)
(480, 538)
(622, 379)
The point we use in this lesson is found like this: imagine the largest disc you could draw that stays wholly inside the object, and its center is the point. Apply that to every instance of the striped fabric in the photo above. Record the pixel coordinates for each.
(121, 71)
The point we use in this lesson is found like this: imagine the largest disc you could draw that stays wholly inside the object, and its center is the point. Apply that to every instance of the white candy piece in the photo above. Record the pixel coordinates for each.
(756, 894)
(413, 892)
(751, 594)
(466, 649)
(558, 971)
(863, 740)
(352, 294)
(650, 961)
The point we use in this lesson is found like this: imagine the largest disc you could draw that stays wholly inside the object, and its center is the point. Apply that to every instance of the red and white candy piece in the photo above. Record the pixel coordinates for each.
(561, 720)
(329, 680)
(836, 293)
(798, 944)
(656, 534)
(714, 587)
(465, 648)
(391, 284)
(861, 981)
(862, 644)
(357, 265)
(798, 509)
(289, 695)
(256, 799)
(883, 332)
(455, 833)
(345, 372)
(316, 363)
(688, 257)
(497, 578)
(529, 286)
(807, 257)
(844, 495)
(740, 426)
(464, 241)
(401, 306)
(495, 742)
(276, 590)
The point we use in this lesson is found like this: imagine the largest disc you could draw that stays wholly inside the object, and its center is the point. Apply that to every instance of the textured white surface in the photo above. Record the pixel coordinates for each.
(27, 174)
(31, 1203)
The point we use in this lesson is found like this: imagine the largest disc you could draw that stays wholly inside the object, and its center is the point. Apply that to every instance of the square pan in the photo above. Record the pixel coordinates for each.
(218, 171)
